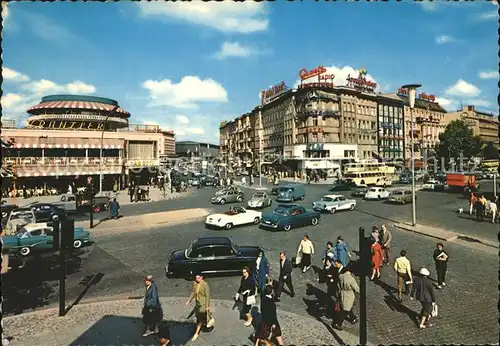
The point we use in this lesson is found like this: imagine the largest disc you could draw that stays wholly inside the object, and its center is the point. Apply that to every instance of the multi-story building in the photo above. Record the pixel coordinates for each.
(169, 149)
(391, 127)
(196, 149)
(482, 124)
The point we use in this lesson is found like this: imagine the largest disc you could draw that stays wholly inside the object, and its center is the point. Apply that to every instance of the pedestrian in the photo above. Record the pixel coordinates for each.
(261, 271)
(152, 313)
(306, 249)
(386, 242)
(425, 295)
(331, 275)
(377, 258)
(493, 208)
(375, 234)
(115, 187)
(402, 267)
(115, 209)
(329, 250)
(245, 292)
(269, 325)
(164, 335)
(441, 260)
(70, 189)
(201, 295)
(131, 191)
(472, 202)
(348, 289)
(342, 252)
(285, 276)
(479, 209)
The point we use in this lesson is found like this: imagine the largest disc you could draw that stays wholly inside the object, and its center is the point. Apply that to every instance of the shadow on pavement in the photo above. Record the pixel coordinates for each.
(118, 330)
(391, 300)
(36, 284)
(87, 282)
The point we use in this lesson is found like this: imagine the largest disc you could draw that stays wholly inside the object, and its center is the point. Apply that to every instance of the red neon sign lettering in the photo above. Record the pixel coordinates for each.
(304, 74)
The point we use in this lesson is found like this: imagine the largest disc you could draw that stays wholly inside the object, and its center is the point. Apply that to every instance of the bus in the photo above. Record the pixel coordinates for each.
(489, 166)
(369, 173)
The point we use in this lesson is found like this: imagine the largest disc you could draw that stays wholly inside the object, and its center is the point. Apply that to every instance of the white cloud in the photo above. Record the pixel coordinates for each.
(182, 119)
(429, 6)
(5, 10)
(11, 99)
(444, 39)
(227, 16)
(341, 74)
(490, 15)
(462, 88)
(488, 75)
(480, 103)
(446, 103)
(196, 131)
(11, 75)
(186, 93)
(234, 49)
(45, 86)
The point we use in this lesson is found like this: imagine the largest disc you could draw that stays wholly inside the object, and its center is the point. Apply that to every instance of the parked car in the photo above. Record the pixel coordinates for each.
(228, 196)
(18, 218)
(235, 216)
(75, 203)
(401, 196)
(341, 186)
(286, 217)
(405, 179)
(211, 255)
(45, 212)
(39, 237)
(332, 203)
(360, 191)
(433, 185)
(291, 193)
(377, 193)
(228, 188)
(259, 200)
(384, 182)
(6, 209)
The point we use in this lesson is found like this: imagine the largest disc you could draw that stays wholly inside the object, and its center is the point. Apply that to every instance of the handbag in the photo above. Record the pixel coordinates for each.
(434, 312)
(336, 306)
(251, 300)
(237, 296)
(210, 320)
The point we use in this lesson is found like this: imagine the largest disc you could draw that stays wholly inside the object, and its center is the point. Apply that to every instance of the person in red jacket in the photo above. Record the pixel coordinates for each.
(377, 259)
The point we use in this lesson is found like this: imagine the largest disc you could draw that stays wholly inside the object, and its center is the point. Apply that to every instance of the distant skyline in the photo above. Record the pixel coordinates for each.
(189, 66)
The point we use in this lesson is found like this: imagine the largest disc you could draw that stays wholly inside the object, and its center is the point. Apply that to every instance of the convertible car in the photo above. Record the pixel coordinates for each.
(235, 216)
(211, 255)
(332, 203)
(39, 237)
(286, 217)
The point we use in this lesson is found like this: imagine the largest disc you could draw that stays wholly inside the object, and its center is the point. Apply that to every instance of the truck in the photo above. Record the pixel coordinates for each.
(462, 181)
(81, 203)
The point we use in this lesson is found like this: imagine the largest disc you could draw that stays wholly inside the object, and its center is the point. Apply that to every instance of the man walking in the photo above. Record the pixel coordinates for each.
(285, 276)
(348, 289)
(386, 241)
(402, 267)
(152, 313)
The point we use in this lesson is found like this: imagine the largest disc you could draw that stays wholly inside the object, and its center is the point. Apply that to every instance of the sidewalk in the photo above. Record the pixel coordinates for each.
(119, 323)
(444, 235)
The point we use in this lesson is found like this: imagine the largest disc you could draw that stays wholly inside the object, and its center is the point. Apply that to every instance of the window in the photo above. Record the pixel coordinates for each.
(205, 252)
(315, 121)
(36, 233)
(222, 251)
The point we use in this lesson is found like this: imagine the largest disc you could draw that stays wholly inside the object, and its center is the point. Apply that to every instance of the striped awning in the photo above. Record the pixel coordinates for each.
(65, 171)
(6, 172)
(67, 143)
(84, 105)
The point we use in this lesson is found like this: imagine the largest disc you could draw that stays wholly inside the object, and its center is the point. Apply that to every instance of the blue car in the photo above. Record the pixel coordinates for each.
(288, 216)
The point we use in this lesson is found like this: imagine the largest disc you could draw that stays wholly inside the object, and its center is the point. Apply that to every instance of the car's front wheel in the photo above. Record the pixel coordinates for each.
(287, 228)
(222, 201)
(314, 221)
(351, 207)
(256, 221)
(228, 226)
(239, 199)
(77, 244)
(333, 210)
(25, 251)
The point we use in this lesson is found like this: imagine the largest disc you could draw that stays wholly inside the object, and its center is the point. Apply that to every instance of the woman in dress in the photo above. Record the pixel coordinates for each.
(261, 271)
(247, 289)
(377, 259)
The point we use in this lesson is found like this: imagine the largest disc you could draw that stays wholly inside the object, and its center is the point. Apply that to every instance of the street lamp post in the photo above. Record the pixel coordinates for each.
(412, 93)
(110, 113)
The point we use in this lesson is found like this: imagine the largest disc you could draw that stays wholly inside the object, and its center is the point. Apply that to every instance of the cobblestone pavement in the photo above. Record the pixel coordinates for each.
(467, 304)
(120, 322)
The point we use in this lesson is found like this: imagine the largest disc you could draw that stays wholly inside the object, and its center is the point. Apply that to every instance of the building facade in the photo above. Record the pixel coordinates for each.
(65, 137)
(484, 125)
(391, 128)
(196, 149)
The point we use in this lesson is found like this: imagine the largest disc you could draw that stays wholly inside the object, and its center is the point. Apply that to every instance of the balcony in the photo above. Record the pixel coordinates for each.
(316, 113)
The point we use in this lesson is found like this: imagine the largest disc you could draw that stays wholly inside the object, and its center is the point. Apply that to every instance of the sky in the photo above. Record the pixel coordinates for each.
(187, 66)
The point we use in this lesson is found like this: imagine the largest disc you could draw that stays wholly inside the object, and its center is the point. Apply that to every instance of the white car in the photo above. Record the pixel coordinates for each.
(377, 193)
(383, 182)
(235, 216)
(433, 185)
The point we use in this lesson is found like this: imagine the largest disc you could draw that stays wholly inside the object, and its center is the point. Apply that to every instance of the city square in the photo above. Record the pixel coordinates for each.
(150, 197)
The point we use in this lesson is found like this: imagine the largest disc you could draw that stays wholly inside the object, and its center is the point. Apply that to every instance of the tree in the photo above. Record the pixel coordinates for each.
(490, 152)
(457, 141)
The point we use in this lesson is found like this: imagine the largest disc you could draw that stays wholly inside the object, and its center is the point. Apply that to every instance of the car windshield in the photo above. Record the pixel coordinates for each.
(397, 192)
(189, 250)
(281, 211)
(373, 189)
(285, 189)
(258, 195)
(221, 192)
(327, 199)
(21, 215)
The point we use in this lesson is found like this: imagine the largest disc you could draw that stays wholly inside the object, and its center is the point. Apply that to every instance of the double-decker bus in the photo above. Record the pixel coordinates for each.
(490, 166)
(369, 173)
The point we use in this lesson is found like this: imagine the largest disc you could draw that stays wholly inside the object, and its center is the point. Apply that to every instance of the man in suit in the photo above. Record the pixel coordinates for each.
(285, 276)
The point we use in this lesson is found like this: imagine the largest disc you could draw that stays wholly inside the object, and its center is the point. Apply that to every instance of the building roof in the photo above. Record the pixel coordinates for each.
(77, 102)
(419, 103)
(392, 97)
(197, 143)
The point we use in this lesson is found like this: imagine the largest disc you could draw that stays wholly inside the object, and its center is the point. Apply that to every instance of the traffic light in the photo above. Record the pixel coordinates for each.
(67, 233)
(56, 236)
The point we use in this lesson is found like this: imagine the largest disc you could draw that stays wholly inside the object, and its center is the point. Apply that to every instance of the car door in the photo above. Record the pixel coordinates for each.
(341, 203)
(205, 260)
(226, 259)
(231, 196)
(302, 218)
(241, 218)
(38, 239)
(49, 232)
(407, 196)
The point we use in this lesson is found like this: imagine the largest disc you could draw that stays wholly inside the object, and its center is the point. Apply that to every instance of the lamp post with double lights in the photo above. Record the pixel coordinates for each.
(412, 93)
(110, 113)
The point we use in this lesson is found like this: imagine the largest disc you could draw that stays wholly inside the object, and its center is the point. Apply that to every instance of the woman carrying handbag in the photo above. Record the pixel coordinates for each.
(246, 293)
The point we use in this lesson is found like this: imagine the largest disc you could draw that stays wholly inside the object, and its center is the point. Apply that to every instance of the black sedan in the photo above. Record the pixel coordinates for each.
(45, 212)
(342, 186)
(211, 255)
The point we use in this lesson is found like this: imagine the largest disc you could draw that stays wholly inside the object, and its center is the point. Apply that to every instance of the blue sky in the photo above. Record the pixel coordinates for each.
(188, 66)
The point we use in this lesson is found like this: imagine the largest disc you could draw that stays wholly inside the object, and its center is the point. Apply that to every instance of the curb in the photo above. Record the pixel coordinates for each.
(452, 236)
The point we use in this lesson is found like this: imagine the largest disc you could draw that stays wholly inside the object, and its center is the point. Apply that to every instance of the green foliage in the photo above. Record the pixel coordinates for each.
(458, 139)
(489, 151)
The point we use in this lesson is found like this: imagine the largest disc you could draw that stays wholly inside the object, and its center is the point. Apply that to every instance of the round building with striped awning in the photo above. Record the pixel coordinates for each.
(77, 112)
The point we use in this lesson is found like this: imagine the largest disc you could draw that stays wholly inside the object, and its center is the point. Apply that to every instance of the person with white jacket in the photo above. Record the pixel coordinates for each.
(305, 250)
